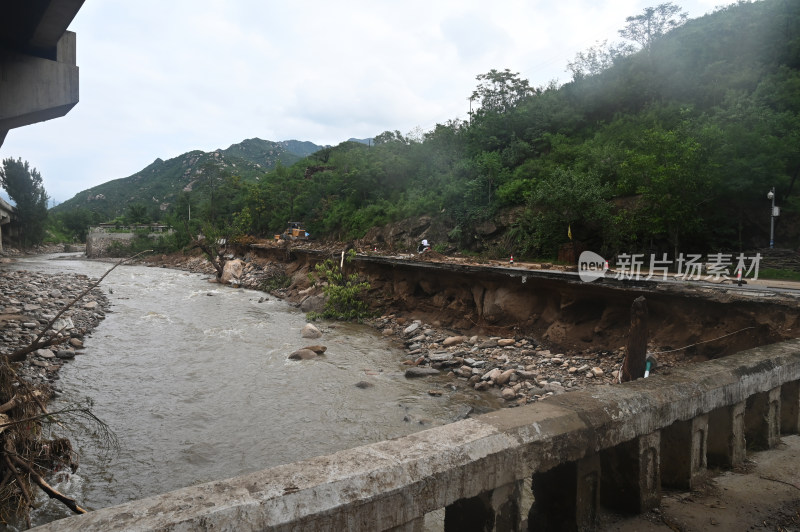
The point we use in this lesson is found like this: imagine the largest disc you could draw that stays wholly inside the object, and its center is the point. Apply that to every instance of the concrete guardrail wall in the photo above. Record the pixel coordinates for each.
(614, 445)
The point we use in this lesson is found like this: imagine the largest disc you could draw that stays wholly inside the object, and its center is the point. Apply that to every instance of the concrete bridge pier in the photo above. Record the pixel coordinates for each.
(567, 496)
(726, 441)
(417, 525)
(631, 475)
(762, 419)
(497, 509)
(683, 453)
(790, 408)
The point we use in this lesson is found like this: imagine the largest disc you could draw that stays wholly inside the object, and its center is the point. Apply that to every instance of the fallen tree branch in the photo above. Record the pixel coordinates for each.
(25, 494)
(8, 405)
(20, 354)
(47, 488)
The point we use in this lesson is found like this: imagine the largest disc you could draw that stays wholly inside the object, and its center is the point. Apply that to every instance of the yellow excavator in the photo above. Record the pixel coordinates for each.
(294, 231)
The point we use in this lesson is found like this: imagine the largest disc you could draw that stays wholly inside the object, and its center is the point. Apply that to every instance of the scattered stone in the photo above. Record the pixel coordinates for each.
(420, 372)
(309, 331)
(435, 393)
(441, 357)
(492, 374)
(411, 328)
(364, 384)
(504, 377)
(508, 394)
(303, 354)
(318, 349)
(76, 343)
(506, 342)
(527, 375)
(464, 371)
(452, 340)
(63, 324)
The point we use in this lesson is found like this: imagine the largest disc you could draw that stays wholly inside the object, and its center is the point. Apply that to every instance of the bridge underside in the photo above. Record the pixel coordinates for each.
(38, 72)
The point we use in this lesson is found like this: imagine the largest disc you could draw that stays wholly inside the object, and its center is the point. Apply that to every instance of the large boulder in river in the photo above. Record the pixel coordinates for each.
(318, 349)
(232, 271)
(313, 303)
(309, 331)
(303, 354)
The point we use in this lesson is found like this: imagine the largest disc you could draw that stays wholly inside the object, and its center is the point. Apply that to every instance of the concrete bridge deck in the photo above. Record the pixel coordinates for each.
(612, 445)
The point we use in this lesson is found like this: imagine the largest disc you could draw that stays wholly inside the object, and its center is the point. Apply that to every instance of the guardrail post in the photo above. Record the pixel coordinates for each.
(631, 477)
(683, 452)
(790, 408)
(762, 419)
(497, 509)
(567, 496)
(726, 442)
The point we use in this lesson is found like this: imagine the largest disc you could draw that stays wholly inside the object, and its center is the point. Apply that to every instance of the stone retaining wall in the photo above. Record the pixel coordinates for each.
(97, 243)
(100, 238)
(608, 444)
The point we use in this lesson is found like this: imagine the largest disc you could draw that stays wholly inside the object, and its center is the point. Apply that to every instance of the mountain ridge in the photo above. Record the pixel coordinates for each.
(158, 184)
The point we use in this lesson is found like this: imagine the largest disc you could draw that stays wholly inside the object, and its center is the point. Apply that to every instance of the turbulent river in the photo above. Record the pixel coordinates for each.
(194, 381)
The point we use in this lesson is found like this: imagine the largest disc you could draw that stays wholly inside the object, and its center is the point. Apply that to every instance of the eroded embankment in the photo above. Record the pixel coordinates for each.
(556, 307)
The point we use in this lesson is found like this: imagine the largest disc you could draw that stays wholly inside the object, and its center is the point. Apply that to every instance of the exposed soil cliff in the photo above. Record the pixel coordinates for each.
(554, 307)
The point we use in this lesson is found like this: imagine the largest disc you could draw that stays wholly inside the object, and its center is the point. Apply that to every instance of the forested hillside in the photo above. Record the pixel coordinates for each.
(666, 141)
(155, 190)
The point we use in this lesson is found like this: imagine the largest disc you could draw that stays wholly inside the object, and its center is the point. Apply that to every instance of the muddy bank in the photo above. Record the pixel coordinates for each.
(520, 300)
(556, 308)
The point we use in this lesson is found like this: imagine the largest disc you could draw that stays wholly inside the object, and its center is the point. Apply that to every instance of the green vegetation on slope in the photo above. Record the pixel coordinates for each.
(159, 185)
(667, 143)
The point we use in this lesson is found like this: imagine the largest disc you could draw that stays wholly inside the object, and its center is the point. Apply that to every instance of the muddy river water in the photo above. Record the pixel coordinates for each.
(193, 379)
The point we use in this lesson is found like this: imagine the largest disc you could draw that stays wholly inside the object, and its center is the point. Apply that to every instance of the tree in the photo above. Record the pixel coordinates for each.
(499, 91)
(597, 59)
(676, 181)
(654, 22)
(24, 187)
(568, 200)
(137, 214)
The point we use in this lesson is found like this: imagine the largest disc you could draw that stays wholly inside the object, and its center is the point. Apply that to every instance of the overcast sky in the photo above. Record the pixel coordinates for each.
(160, 78)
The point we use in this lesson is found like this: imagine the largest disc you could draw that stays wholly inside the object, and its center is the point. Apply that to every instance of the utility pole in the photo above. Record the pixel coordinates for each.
(773, 213)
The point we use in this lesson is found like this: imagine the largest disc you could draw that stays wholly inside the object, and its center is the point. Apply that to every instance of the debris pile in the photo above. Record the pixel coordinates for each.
(518, 369)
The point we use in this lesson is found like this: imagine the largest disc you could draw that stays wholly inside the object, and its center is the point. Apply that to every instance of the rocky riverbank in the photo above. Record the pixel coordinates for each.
(518, 369)
(29, 301)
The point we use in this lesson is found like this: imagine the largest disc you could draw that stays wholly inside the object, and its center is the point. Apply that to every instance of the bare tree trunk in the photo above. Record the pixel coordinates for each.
(636, 352)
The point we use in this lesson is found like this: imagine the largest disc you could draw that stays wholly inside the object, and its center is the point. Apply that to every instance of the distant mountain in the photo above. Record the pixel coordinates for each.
(368, 141)
(160, 182)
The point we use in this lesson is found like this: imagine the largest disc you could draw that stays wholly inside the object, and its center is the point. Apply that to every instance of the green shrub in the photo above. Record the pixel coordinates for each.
(344, 294)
